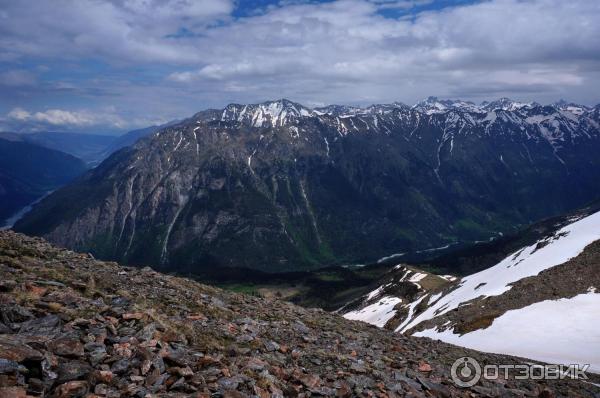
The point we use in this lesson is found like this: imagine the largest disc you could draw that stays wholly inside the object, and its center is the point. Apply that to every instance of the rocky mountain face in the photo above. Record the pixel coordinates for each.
(278, 186)
(29, 171)
(544, 289)
(72, 326)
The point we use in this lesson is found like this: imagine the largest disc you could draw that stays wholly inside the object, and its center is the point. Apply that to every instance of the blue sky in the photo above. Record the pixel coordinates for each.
(108, 66)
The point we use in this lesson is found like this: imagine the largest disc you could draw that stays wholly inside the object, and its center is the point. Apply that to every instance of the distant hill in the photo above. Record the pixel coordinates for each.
(128, 139)
(88, 147)
(131, 137)
(29, 171)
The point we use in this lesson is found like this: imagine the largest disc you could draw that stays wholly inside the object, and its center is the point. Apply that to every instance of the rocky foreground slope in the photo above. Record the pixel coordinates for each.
(74, 326)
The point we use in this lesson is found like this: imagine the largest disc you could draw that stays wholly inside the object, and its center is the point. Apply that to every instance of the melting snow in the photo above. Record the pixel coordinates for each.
(561, 331)
(377, 313)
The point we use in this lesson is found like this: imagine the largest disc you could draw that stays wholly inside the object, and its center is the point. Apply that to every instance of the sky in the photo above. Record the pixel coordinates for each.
(109, 66)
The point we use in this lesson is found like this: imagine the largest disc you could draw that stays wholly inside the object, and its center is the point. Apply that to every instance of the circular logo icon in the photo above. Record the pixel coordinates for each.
(465, 372)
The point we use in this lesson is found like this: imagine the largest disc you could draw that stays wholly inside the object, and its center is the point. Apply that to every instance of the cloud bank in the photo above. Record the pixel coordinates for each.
(167, 59)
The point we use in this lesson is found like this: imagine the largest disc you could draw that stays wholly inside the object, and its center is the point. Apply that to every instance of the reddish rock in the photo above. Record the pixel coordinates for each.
(72, 389)
(181, 371)
(196, 317)
(34, 290)
(296, 354)
(13, 392)
(103, 376)
(424, 367)
(66, 347)
(123, 350)
(133, 315)
(343, 390)
(12, 348)
(310, 381)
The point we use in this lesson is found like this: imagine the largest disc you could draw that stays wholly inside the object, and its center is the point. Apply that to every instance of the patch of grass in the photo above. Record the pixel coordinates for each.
(250, 289)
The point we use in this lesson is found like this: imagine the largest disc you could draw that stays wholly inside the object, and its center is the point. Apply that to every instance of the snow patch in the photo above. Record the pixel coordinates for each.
(378, 313)
(554, 331)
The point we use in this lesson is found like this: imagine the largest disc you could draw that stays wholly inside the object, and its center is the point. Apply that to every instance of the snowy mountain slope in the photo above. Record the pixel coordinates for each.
(565, 244)
(563, 331)
(392, 300)
(546, 293)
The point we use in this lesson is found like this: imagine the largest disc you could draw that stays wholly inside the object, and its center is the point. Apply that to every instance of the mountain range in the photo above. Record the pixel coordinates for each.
(278, 186)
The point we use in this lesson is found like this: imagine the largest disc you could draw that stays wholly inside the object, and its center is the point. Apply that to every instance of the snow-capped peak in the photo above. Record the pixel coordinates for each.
(506, 104)
(339, 110)
(270, 113)
(575, 109)
(433, 105)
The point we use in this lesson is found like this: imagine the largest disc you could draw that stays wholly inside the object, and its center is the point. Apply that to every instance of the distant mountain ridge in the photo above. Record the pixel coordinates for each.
(86, 147)
(280, 186)
(29, 171)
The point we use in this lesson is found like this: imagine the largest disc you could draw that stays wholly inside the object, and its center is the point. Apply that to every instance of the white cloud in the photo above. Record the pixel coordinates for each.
(66, 118)
(19, 114)
(542, 44)
(130, 30)
(343, 51)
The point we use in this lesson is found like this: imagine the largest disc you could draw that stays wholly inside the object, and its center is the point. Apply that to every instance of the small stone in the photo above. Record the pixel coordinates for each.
(123, 350)
(12, 348)
(7, 367)
(343, 390)
(183, 372)
(196, 317)
(120, 366)
(72, 389)
(256, 364)
(310, 381)
(424, 367)
(133, 315)
(228, 383)
(73, 370)
(66, 347)
(358, 367)
(546, 393)
(271, 346)
(103, 376)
